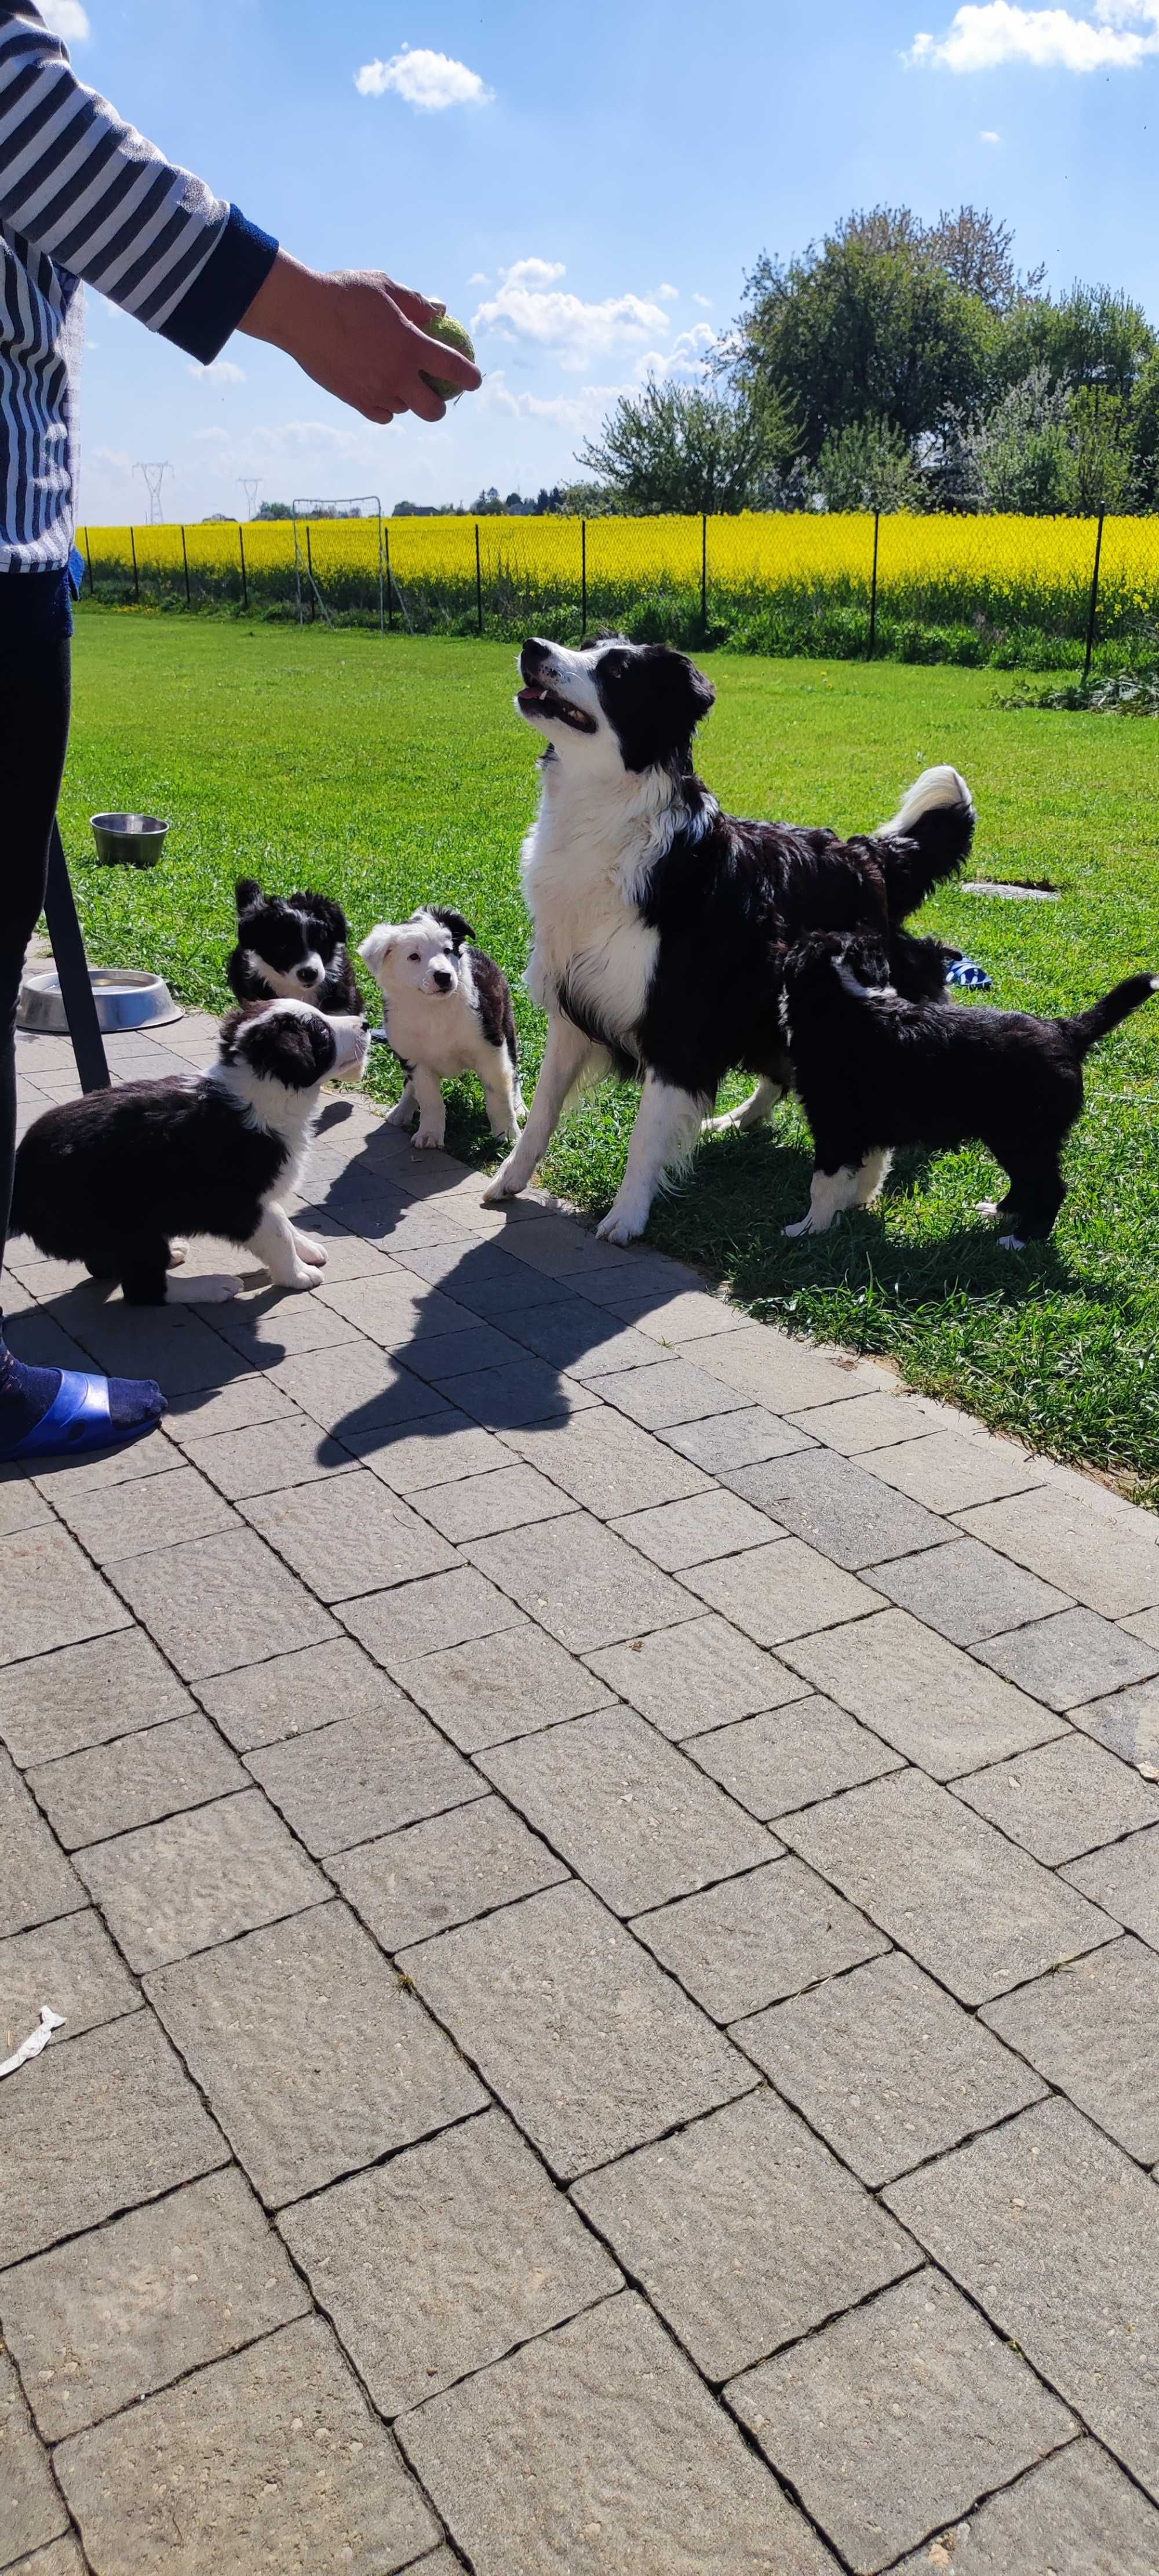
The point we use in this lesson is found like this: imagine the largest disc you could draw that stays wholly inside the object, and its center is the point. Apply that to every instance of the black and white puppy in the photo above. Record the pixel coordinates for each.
(292, 948)
(446, 1009)
(110, 1179)
(660, 921)
(874, 1071)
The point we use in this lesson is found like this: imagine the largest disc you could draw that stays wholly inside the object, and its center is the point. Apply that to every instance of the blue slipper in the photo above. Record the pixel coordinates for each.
(77, 1423)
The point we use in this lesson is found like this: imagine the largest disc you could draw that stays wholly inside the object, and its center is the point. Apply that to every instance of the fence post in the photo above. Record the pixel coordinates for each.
(136, 574)
(310, 571)
(245, 588)
(703, 574)
(478, 582)
(873, 587)
(185, 561)
(89, 560)
(583, 578)
(1094, 607)
(389, 581)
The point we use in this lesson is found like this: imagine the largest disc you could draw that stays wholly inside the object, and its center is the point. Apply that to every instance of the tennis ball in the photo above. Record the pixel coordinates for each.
(445, 327)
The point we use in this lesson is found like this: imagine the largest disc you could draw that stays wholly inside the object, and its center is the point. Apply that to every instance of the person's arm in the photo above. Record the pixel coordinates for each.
(78, 183)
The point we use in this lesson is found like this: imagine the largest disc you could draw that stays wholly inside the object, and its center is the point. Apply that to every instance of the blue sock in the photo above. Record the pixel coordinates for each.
(26, 1394)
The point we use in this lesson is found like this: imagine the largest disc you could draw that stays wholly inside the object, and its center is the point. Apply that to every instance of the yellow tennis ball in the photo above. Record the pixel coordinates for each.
(445, 327)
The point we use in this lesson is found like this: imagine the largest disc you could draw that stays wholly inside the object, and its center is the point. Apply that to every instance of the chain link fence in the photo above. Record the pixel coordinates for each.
(1031, 593)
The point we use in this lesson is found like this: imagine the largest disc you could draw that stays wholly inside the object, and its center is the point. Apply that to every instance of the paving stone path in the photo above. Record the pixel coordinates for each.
(601, 1869)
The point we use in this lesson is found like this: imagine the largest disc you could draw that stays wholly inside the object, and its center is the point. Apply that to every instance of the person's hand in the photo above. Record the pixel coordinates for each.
(359, 334)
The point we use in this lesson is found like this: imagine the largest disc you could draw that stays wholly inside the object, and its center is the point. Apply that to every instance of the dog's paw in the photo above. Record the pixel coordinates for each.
(428, 1137)
(804, 1225)
(215, 1289)
(401, 1115)
(1011, 1243)
(309, 1249)
(178, 1252)
(986, 1207)
(502, 1186)
(303, 1275)
(622, 1225)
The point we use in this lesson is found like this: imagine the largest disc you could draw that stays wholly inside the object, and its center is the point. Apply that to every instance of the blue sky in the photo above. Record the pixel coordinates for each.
(591, 184)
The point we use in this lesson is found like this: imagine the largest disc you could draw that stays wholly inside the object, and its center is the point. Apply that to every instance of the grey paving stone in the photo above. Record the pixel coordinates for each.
(588, 2045)
(790, 1757)
(898, 2417)
(781, 1590)
(266, 1703)
(198, 1878)
(1076, 2515)
(364, 1775)
(206, 1413)
(598, 2449)
(421, 1880)
(412, 1458)
(1056, 2234)
(50, 1596)
(744, 2231)
(507, 1497)
(626, 1810)
(86, 1694)
(70, 1965)
(155, 1511)
(36, 1882)
(1064, 1799)
(853, 1423)
(21, 1507)
(520, 1391)
(498, 1687)
(419, 1618)
(695, 1676)
(676, 1315)
(476, 1348)
(585, 1586)
(786, 1372)
(853, 1518)
(483, 1277)
(316, 2059)
(967, 1592)
(899, 1845)
(670, 1391)
(387, 1306)
(606, 1463)
(32, 2509)
(444, 2259)
(676, 1535)
(355, 1387)
(267, 1456)
(109, 1788)
(105, 2320)
(953, 1469)
(1109, 1564)
(1090, 2029)
(928, 1699)
(170, 1343)
(736, 1439)
(1127, 1722)
(304, 2475)
(1070, 1658)
(110, 2121)
(1125, 1882)
(349, 1535)
(61, 2558)
(744, 1944)
(1144, 1624)
(220, 1602)
(557, 1245)
(887, 2066)
(587, 1340)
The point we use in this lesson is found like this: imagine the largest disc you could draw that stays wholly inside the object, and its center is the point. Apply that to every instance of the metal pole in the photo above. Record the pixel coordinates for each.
(136, 574)
(89, 559)
(1094, 608)
(72, 967)
(389, 581)
(245, 588)
(873, 589)
(381, 621)
(583, 577)
(478, 583)
(310, 571)
(185, 561)
(704, 573)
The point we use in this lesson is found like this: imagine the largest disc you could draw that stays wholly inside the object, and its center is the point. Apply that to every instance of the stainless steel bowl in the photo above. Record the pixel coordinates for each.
(125, 999)
(128, 840)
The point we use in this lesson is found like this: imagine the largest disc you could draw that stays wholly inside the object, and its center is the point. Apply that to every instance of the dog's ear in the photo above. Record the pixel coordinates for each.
(376, 946)
(236, 1019)
(247, 892)
(320, 908)
(295, 1047)
(459, 928)
(654, 698)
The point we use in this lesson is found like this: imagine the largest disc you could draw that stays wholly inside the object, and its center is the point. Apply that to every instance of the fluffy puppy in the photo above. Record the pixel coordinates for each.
(446, 1009)
(110, 1179)
(292, 948)
(874, 1070)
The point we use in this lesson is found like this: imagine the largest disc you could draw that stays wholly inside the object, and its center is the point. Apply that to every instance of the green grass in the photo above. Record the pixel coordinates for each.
(391, 772)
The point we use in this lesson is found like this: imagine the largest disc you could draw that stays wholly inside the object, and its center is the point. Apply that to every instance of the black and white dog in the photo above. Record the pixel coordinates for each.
(446, 1009)
(110, 1179)
(874, 1071)
(660, 922)
(292, 948)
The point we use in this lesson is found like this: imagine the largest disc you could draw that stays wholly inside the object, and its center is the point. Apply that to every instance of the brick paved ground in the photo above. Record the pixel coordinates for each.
(601, 1866)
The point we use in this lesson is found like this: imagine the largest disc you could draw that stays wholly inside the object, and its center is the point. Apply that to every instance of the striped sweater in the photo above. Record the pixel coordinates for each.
(84, 196)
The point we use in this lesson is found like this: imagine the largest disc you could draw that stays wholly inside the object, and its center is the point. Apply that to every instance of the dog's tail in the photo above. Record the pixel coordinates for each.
(928, 837)
(1087, 1027)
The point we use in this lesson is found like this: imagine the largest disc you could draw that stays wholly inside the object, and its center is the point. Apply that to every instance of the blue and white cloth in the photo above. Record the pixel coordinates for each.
(974, 978)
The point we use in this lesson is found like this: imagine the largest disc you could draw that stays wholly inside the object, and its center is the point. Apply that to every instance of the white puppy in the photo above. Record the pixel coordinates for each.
(446, 1009)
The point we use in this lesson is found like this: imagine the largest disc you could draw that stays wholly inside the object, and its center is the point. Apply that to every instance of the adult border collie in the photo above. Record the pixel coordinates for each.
(660, 922)
(292, 948)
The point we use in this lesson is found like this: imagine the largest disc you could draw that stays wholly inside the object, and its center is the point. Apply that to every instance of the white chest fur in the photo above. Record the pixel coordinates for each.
(440, 1031)
(586, 864)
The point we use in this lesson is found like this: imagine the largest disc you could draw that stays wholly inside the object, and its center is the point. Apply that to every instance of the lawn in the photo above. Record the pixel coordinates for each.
(388, 772)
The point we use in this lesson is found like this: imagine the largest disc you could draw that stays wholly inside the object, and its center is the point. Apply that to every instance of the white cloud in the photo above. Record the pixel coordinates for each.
(220, 371)
(671, 294)
(479, 277)
(116, 457)
(532, 272)
(426, 80)
(530, 307)
(579, 412)
(705, 301)
(66, 18)
(1116, 37)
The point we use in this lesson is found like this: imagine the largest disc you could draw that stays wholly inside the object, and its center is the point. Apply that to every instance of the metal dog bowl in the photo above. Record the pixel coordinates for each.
(128, 840)
(125, 999)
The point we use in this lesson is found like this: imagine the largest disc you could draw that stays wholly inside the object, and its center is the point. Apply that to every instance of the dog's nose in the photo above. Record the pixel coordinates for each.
(535, 653)
(308, 975)
(443, 979)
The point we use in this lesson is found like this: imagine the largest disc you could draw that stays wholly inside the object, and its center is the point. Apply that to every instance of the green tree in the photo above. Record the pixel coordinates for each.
(869, 466)
(689, 448)
(1020, 457)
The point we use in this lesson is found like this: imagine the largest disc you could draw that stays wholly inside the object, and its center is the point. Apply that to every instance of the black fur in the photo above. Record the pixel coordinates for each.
(285, 930)
(876, 1072)
(493, 994)
(654, 698)
(459, 927)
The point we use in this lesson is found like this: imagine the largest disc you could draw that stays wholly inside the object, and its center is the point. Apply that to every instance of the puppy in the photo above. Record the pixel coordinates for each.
(446, 1009)
(874, 1070)
(108, 1180)
(292, 948)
